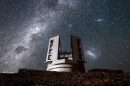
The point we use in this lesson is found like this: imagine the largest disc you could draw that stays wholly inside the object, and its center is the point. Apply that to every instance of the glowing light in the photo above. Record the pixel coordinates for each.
(99, 20)
(90, 54)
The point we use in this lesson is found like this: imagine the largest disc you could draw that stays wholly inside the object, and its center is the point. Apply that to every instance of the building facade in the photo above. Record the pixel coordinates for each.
(72, 61)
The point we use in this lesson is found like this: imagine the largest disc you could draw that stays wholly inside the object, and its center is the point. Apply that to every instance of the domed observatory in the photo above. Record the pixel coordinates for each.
(72, 61)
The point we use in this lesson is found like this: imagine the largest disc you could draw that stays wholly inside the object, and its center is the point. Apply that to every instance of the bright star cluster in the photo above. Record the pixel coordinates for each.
(27, 25)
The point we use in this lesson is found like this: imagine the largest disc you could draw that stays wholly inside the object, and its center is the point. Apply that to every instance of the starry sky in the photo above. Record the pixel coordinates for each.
(27, 25)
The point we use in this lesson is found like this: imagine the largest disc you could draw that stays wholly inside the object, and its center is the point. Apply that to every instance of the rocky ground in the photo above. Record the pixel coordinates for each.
(43, 78)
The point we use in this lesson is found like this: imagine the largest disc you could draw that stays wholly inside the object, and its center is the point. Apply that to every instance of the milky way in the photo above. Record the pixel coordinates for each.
(26, 26)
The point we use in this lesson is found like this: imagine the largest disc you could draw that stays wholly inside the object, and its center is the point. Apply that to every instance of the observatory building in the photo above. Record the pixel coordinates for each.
(72, 61)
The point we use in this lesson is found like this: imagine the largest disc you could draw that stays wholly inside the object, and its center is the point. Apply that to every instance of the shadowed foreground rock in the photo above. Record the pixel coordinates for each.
(43, 78)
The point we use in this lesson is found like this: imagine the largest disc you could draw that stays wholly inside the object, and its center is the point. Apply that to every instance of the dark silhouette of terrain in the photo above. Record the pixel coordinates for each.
(95, 77)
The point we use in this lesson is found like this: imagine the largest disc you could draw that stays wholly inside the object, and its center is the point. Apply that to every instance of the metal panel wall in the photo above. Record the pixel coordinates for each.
(77, 50)
(53, 49)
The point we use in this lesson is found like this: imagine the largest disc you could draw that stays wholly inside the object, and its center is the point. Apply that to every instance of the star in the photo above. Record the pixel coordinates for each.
(99, 20)
(70, 25)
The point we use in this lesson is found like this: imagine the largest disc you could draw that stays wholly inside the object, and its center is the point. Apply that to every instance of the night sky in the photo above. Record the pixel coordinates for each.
(27, 25)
